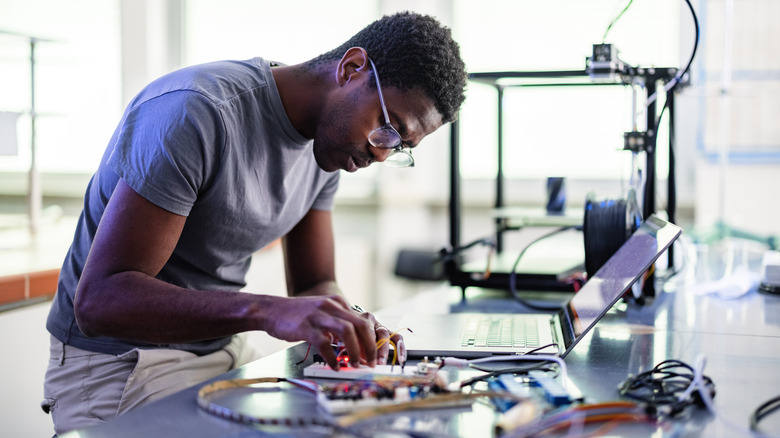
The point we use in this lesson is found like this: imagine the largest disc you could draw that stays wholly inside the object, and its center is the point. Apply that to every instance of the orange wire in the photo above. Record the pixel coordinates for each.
(611, 419)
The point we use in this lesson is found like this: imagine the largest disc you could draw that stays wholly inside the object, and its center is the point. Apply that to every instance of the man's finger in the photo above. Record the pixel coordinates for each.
(400, 347)
(326, 351)
(364, 331)
(383, 351)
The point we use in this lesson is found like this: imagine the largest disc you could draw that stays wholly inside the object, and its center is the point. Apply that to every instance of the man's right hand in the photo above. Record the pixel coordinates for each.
(314, 319)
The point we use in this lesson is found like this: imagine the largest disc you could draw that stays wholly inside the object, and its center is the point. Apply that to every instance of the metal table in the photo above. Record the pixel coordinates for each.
(740, 339)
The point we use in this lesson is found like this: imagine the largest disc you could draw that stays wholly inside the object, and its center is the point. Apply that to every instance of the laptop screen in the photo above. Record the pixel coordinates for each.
(617, 275)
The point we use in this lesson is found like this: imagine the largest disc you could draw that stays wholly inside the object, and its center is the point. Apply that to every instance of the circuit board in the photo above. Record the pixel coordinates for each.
(355, 388)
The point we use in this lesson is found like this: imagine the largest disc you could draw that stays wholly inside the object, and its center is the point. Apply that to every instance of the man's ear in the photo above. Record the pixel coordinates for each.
(354, 62)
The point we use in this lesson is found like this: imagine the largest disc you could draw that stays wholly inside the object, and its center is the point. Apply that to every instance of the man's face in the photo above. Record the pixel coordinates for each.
(341, 139)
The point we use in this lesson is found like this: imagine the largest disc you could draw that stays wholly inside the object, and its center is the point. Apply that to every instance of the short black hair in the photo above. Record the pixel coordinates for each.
(412, 50)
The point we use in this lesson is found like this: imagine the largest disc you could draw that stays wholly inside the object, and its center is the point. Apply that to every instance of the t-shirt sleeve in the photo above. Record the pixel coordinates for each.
(324, 200)
(168, 147)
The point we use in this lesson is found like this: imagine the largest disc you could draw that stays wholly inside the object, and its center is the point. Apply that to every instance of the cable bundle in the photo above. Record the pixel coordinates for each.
(667, 388)
(609, 413)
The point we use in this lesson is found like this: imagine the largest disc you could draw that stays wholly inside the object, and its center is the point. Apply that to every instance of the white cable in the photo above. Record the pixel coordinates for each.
(455, 362)
(669, 85)
(698, 385)
(462, 363)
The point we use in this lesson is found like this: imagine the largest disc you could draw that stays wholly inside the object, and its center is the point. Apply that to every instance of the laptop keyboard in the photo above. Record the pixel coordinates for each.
(487, 331)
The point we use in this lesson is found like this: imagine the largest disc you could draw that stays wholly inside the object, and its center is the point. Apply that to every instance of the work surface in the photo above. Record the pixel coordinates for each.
(740, 339)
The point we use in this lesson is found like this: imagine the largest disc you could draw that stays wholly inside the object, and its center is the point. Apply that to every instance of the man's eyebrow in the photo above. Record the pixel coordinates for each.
(404, 131)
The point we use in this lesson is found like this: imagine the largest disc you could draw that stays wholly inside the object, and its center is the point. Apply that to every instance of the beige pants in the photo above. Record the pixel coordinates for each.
(83, 388)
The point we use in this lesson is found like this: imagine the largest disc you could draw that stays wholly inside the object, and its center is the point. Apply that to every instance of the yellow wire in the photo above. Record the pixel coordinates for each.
(381, 342)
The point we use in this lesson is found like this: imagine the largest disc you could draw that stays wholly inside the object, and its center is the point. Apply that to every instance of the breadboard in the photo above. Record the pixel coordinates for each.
(323, 371)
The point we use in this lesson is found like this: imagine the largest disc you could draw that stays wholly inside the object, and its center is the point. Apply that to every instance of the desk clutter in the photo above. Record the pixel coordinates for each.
(531, 396)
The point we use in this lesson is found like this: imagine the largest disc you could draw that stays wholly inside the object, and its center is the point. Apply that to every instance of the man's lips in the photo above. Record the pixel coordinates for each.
(354, 164)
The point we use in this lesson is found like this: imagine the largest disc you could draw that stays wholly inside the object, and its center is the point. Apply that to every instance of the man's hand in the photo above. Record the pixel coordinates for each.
(383, 336)
(314, 319)
(320, 319)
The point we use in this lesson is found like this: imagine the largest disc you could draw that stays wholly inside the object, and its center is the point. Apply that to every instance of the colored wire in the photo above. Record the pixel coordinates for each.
(304, 356)
(615, 20)
(379, 343)
(610, 412)
(671, 85)
(434, 401)
(382, 341)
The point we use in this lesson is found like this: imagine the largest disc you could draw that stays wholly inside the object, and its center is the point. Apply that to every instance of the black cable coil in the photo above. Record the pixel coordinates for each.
(607, 224)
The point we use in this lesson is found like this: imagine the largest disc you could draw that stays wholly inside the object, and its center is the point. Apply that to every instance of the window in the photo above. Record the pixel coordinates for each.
(557, 131)
(288, 32)
(77, 81)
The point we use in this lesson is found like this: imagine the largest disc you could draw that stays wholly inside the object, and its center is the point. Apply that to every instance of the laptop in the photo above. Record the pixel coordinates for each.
(470, 335)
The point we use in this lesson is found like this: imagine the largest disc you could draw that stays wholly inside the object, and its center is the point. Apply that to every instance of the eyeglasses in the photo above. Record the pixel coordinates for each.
(386, 137)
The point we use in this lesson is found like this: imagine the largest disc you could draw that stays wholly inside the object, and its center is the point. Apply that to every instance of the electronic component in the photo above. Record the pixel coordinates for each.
(357, 388)
(554, 392)
(637, 141)
(357, 395)
(605, 64)
(507, 383)
(512, 385)
(502, 404)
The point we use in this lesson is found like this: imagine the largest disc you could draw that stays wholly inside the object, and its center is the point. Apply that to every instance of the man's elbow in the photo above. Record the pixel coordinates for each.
(88, 312)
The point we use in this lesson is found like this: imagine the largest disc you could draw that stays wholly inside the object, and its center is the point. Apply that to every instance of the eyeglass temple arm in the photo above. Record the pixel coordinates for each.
(379, 89)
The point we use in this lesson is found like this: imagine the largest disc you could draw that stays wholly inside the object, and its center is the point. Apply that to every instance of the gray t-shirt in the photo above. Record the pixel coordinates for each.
(213, 143)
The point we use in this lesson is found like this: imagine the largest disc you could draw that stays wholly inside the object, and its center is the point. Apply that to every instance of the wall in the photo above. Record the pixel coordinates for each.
(737, 101)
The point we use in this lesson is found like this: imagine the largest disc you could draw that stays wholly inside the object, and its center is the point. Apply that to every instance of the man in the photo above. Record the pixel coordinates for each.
(208, 165)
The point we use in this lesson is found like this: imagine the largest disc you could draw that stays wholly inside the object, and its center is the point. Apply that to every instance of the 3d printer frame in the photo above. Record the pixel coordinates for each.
(651, 78)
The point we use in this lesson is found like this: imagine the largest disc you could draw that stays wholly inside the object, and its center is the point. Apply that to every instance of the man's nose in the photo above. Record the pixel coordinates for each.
(381, 154)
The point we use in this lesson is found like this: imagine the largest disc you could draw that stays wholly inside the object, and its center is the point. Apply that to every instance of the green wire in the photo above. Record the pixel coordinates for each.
(615, 20)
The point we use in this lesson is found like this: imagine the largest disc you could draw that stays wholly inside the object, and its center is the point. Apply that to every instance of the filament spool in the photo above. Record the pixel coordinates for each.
(607, 224)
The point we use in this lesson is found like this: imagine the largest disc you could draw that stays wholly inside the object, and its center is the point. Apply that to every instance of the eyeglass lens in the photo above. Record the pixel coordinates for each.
(386, 137)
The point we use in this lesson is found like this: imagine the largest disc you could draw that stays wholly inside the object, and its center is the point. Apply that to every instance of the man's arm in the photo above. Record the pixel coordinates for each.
(119, 296)
(310, 267)
(309, 256)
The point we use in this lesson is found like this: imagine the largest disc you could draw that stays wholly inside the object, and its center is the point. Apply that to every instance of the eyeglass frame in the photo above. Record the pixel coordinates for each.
(397, 147)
